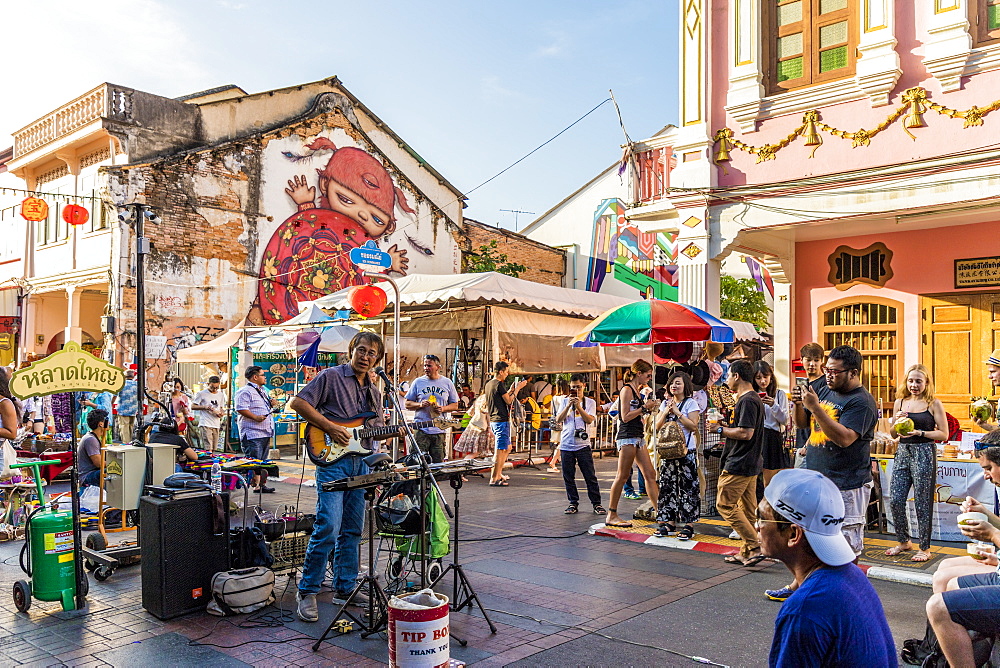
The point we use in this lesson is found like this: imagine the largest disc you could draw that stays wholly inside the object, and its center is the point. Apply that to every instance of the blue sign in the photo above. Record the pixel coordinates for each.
(371, 255)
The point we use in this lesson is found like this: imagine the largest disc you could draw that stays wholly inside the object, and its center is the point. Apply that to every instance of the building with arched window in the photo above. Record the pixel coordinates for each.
(850, 146)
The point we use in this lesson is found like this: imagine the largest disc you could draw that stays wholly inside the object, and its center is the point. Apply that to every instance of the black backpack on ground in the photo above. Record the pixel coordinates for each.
(926, 652)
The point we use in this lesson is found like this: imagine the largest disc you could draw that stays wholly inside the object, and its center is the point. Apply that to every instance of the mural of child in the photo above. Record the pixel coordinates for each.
(307, 256)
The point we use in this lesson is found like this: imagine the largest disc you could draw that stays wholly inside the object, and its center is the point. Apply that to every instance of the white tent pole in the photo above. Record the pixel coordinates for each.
(395, 349)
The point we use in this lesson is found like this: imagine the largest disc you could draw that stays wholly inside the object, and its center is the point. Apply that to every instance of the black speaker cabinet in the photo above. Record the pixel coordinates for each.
(180, 552)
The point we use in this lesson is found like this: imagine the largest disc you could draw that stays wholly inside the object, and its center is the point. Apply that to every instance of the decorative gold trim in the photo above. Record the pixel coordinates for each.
(940, 6)
(914, 104)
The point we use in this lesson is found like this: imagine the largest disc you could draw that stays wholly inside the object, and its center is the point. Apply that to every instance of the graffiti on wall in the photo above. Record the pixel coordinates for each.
(186, 336)
(646, 261)
(347, 198)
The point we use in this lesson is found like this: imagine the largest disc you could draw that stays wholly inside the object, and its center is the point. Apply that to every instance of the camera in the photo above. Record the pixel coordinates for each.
(581, 435)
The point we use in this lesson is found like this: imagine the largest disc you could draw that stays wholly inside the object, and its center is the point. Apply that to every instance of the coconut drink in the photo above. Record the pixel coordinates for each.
(904, 426)
(980, 409)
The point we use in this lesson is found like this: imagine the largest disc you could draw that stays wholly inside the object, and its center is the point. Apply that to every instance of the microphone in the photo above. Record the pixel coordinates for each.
(380, 372)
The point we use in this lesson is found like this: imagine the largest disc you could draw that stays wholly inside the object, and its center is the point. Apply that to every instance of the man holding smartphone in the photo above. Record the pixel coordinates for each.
(499, 397)
(576, 413)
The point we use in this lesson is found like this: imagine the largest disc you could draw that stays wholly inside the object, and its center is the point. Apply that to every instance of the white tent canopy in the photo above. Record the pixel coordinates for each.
(485, 288)
(216, 350)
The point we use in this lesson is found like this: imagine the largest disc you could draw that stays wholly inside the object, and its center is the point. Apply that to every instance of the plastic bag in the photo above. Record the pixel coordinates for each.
(90, 498)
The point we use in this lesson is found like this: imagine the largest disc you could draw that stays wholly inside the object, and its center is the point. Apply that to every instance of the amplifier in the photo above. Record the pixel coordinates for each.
(180, 552)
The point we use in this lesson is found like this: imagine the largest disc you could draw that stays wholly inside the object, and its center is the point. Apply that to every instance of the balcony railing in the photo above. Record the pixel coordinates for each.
(105, 101)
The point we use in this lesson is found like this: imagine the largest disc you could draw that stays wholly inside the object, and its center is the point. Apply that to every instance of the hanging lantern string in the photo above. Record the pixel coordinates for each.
(4, 190)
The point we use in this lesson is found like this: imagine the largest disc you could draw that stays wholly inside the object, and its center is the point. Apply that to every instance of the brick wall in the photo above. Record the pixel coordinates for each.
(545, 264)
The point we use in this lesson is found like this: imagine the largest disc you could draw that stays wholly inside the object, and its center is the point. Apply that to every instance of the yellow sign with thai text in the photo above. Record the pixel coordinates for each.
(977, 272)
(69, 370)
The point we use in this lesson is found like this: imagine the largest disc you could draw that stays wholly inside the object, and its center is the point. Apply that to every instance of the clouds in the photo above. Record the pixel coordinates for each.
(557, 47)
(78, 45)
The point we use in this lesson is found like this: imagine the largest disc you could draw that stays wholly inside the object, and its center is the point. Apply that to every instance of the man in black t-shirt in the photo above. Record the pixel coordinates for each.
(842, 418)
(498, 400)
(742, 463)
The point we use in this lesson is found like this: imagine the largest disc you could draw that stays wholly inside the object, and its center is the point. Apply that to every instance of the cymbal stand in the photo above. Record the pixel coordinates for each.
(462, 593)
(378, 602)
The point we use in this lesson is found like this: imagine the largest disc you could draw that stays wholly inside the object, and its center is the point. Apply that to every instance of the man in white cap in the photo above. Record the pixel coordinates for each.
(993, 373)
(834, 618)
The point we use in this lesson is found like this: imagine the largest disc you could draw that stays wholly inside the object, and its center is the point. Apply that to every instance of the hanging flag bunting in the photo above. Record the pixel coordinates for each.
(761, 275)
(34, 209)
(74, 214)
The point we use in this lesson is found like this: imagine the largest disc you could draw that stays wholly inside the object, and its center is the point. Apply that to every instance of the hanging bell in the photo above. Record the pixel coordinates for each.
(722, 139)
(914, 119)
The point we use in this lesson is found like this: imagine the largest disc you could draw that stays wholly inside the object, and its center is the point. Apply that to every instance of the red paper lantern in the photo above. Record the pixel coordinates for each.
(74, 214)
(367, 300)
(34, 209)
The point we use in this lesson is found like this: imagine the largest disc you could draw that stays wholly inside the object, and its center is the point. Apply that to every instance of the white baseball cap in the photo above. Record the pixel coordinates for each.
(810, 500)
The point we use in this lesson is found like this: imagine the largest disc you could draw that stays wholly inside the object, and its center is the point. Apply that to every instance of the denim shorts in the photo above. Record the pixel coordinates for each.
(256, 448)
(976, 603)
(501, 432)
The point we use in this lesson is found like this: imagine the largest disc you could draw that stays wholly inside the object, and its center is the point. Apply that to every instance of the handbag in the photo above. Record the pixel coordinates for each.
(242, 591)
(670, 441)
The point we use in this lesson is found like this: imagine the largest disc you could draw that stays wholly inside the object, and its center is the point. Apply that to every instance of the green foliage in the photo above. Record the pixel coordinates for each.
(488, 258)
(741, 300)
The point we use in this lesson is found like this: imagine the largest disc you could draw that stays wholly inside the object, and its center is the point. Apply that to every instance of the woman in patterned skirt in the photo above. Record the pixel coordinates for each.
(680, 492)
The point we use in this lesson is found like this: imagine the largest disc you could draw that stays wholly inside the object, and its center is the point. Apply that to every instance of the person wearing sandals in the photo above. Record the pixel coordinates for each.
(741, 463)
(561, 393)
(630, 441)
(680, 492)
(915, 464)
(576, 413)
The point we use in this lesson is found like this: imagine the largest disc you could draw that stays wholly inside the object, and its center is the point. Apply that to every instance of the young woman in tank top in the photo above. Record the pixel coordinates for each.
(9, 412)
(916, 459)
(630, 441)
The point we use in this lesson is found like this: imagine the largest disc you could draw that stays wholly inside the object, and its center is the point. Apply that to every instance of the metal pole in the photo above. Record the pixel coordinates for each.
(395, 350)
(141, 249)
(81, 598)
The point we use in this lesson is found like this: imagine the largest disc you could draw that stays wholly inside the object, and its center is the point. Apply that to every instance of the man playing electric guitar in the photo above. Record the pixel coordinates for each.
(340, 392)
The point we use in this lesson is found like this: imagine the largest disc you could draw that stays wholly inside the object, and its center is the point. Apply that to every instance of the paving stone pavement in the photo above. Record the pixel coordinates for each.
(552, 590)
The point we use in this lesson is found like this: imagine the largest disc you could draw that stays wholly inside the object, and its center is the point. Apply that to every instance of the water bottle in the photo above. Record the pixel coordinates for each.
(216, 478)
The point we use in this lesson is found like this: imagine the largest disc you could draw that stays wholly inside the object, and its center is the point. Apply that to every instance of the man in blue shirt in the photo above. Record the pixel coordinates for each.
(431, 395)
(834, 618)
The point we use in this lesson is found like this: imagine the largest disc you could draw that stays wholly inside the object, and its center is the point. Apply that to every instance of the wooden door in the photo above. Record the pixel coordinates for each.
(959, 333)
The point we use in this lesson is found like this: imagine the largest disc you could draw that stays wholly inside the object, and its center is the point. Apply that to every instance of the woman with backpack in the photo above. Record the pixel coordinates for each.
(679, 489)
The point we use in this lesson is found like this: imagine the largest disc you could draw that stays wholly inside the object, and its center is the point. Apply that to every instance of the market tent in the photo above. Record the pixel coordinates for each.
(485, 288)
(333, 339)
(744, 331)
(529, 323)
(216, 350)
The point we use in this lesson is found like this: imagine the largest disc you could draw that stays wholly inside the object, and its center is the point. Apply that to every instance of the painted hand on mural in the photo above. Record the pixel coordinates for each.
(301, 192)
(400, 263)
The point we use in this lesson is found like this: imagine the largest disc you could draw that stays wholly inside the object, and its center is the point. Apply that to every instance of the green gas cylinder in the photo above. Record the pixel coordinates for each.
(53, 563)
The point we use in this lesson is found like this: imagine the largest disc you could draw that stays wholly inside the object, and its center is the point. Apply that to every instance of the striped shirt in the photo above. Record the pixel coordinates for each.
(251, 397)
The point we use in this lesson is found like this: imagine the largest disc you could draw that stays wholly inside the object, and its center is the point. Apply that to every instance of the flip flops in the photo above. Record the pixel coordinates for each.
(620, 525)
(499, 483)
(734, 560)
(753, 561)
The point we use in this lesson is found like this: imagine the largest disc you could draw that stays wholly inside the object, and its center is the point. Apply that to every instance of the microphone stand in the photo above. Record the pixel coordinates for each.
(426, 474)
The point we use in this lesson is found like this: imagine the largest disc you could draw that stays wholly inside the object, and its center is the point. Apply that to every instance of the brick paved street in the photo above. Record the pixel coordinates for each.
(581, 587)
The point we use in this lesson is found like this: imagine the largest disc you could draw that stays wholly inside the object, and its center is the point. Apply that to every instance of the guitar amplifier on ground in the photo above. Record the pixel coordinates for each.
(181, 550)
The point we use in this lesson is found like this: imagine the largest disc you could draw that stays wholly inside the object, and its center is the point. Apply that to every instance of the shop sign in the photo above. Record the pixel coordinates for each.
(977, 272)
(370, 255)
(34, 209)
(69, 370)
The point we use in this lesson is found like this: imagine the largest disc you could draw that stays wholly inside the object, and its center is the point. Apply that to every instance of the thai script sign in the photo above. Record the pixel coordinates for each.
(369, 254)
(977, 272)
(69, 370)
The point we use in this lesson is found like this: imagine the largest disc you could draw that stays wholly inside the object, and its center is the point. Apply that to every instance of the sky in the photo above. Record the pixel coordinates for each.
(470, 86)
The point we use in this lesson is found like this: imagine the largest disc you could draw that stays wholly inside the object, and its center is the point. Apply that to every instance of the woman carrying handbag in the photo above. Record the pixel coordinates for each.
(680, 492)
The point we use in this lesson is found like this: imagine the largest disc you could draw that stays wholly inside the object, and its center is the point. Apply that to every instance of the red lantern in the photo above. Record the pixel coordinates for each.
(34, 209)
(367, 300)
(74, 214)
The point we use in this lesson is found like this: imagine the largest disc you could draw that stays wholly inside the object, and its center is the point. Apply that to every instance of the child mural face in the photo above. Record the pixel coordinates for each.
(373, 220)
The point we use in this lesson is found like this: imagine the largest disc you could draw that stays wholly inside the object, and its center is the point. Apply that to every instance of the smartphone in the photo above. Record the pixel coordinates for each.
(802, 382)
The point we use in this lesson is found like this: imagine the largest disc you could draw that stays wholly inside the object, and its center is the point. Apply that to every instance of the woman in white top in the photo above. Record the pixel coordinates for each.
(775, 402)
(561, 392)
(680, 492)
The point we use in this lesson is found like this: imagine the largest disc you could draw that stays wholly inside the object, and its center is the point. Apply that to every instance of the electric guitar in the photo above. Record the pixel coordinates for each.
(323, 450)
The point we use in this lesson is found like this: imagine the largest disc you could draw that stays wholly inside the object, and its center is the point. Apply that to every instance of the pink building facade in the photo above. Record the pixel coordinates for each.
(850, 145)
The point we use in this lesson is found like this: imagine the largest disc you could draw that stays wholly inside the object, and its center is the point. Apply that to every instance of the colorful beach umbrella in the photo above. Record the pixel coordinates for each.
(653, 321)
